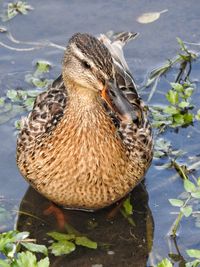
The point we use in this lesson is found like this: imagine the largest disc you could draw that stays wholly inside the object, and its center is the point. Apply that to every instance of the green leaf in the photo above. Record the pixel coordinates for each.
(172, 97)
(39, 83)
(198, 181)
(193, 253)
(32, 93)
(198, 115)
(194, 263)
(25, 259)
(60, 236)
(183, 104)
(128, 208)
(43, 66)
(44, 263)
(4, 263)
(177, 86)
(62, 247)
(188, 92)
(12, 95)
(187, 210)
(179, 118)
(176, 202)
(188, 118)
(35, 247)
(29, 102)
(164, 263)
(196, 194)
(171, 110)
(19, 7)
(85, 242)
(189, 186)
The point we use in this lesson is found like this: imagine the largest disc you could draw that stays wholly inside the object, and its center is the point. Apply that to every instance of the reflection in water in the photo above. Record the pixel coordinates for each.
(124, 245)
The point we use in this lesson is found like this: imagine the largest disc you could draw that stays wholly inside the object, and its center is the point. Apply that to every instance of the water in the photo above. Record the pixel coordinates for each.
(57, 21)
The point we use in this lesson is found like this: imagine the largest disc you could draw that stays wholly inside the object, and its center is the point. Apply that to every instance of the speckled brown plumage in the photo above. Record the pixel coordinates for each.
(77, 149)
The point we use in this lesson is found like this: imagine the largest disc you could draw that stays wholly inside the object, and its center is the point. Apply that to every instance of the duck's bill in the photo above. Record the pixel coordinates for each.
(118, 103)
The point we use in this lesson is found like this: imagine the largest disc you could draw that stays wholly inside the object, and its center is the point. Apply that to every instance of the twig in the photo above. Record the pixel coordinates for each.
(37, 45)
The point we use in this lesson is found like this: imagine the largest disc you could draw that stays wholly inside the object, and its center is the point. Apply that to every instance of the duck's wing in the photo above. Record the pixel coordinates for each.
(48, 110)
(132, 124)
(126, 99)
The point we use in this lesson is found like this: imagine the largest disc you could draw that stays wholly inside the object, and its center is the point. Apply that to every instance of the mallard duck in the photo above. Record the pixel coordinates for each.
(87, 142)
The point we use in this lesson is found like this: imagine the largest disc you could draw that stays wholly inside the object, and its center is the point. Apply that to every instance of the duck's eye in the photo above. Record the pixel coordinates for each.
(86, 64)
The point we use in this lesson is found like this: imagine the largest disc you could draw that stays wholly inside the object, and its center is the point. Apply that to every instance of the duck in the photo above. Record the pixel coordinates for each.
(87, 141)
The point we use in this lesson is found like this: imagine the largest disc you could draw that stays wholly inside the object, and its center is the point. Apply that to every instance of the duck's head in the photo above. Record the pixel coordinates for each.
(89, 69)
(87, 64)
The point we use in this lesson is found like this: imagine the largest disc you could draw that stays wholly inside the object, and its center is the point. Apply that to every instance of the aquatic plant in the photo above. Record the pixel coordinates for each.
(15, 8)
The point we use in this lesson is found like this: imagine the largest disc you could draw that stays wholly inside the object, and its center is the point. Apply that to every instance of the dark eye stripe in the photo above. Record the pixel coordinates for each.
(83, 62)
(86, 64)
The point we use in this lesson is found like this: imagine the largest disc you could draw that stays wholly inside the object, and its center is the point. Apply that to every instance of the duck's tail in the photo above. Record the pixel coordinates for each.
(115, 42)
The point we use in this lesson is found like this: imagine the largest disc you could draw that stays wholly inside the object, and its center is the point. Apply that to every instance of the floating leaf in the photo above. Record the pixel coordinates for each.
(188, 91)
(183, 104)
(28, 259)
(179, 119)
(12, 95)
(172, 97)
(176, 202)
(150, 17)
(171, 110)
(44, 263)
(189, 186)
(43, 66)
(177, 86)
(4, 263)
(188, 118)
(62, 247)
(85, 242)
(60, 236)
(193, 253)
(35, 247)
(194, 263)
(196, 194)
(29, 103)
(187, 210)
(198, 115)
(19, 7)
(165, 263)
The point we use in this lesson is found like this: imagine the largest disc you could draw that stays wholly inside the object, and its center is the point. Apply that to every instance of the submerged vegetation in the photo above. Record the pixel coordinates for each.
(12, 242)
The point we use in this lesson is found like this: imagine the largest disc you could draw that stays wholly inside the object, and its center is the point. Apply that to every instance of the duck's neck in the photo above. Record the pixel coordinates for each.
(84, 104)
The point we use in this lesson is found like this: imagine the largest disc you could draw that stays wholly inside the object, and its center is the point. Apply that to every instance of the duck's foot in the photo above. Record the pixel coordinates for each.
(58, 213)
(115, 209)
